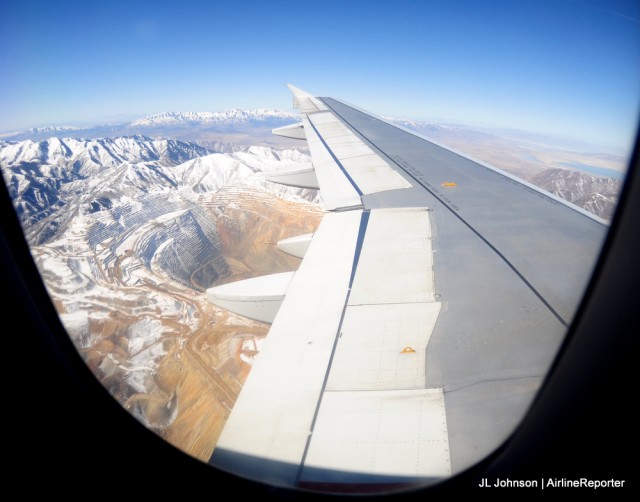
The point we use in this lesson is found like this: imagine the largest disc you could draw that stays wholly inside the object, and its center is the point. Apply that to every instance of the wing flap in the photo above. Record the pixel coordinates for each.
(376, 417)
(396, 435)
(396, 263)
(346, 167)
(337, 190)
(368, 171)
(273, 414)
(383, 347)
(322, 346)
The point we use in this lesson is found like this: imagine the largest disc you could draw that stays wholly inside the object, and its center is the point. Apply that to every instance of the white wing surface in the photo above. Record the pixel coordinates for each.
(421, 321)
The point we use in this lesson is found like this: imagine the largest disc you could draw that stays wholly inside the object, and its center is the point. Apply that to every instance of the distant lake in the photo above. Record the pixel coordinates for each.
(600, 171)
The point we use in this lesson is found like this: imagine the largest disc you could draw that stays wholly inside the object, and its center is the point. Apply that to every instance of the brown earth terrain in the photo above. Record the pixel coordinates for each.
(171, 358)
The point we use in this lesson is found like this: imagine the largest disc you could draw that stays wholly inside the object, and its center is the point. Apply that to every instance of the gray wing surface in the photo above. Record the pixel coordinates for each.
(425, 314)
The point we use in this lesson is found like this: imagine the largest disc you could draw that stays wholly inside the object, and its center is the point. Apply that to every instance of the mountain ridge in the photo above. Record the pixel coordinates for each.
(85, 176)
(147, 124)
(226, 117)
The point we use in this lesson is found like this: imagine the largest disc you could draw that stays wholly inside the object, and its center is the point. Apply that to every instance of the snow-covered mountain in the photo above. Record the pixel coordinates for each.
(224, 131)
(85, 156)
(128, 233)
(225, 118)
(46, 176)
(597, 194)
(40, 131)
(56, 180)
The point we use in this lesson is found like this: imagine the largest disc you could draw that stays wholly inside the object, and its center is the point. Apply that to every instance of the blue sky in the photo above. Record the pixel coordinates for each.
(564, 67)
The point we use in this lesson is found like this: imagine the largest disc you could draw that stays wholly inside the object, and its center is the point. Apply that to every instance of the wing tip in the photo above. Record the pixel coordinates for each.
(298, 93)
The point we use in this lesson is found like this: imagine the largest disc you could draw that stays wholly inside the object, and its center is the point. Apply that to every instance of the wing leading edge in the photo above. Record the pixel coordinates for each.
(419, 325)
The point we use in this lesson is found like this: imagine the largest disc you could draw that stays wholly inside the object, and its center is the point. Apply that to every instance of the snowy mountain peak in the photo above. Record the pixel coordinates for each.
(39, 132)
(227, 117)
(52, 129)
(55, 180)
(84, 155)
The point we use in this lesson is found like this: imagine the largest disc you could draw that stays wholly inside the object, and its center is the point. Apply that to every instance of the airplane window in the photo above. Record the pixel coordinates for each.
(364, 300)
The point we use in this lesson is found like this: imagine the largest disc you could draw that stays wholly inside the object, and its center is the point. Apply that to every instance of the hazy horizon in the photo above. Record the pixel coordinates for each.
(558, 140)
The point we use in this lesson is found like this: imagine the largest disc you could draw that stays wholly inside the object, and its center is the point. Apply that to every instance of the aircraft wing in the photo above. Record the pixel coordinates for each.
(426, 311)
